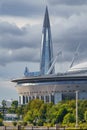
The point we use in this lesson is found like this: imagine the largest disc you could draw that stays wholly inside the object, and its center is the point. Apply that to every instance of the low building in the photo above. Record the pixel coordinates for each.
(10, 117)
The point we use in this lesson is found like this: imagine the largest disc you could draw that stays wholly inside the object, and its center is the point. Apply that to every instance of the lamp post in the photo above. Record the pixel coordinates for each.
(76, 108)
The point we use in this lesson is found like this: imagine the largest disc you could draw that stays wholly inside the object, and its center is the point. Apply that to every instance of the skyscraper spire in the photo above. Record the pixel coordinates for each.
(46, 46)
(46, 19)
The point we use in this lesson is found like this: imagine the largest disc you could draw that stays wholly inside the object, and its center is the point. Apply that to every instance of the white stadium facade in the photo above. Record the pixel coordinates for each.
(46, 85)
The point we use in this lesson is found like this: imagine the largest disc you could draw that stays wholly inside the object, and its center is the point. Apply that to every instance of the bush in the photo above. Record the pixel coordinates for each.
(1, 122)
(40, 122)
(85, 116)
(24, 123)
(14, 123)
(69, 118)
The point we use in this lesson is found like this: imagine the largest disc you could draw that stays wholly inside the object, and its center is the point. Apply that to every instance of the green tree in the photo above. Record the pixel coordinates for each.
(14, 123)
(42, 113)
(69, 118)
(85, 116)
(14, 104)
(14, 107)
(29, 116)
(32, 111)
(39, 113)
(1, 122)
(20, 110)
(3, 106)
(60, 115)
(1, 116)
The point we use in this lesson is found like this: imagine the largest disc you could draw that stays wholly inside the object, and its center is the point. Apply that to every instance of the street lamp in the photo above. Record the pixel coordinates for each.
(76, 108)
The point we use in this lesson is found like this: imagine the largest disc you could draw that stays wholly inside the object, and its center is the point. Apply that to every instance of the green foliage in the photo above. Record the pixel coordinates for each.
(40, 122)
(14, 104)
(60, 115)
(20, 110)
(1, 116)
(24, 123)
(3, 103)
(69, 118)
(85, 116)
(1, 122)
(14, 123)
(14, 107)
(36, 112)
(3, 106)
(29, 117)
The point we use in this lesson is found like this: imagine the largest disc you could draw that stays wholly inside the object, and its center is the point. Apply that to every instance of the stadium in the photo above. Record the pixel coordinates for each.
(45, 84)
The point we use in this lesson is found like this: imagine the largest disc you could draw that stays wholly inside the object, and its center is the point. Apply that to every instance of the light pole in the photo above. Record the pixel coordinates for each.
(76, 108)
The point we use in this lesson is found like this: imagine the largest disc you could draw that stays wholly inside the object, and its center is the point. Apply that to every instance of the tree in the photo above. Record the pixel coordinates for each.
(14, 107)
(3, 106)
(60, 115)
(85, 116)
(1, 116)
(14, 104)
(69, 118)
(20, 110)
(29, 116)
(1, 122)
(32, 111)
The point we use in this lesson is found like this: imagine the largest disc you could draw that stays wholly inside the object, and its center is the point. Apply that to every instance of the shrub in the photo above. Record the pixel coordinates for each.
(69, 118)
(1, 122)
(85, 116)
(14, 123)
(24, 123)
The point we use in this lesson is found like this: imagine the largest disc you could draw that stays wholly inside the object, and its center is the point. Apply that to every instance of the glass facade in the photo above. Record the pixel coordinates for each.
(46, 47)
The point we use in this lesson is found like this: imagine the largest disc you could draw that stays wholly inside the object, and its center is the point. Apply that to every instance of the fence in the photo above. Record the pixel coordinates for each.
(29, 128)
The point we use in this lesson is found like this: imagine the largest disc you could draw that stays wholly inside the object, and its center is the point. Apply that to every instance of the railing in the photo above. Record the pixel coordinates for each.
(30, 128)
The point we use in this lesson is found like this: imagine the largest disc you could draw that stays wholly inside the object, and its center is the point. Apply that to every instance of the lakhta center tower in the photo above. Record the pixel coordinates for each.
(46, 46)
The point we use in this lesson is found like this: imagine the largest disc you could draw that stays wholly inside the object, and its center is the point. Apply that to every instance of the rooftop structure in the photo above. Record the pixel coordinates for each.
(79, 68)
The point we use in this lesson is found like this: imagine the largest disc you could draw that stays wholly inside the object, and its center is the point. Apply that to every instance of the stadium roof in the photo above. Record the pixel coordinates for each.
(82, 67)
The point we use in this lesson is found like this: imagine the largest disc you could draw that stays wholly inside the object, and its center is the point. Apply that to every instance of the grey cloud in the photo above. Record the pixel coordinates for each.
(35, 9)
(69, 33)
(13, 37)
(67, 2)
(19, 55)
(7, 28)
(67, 11)
(66, 33)
(20, 7)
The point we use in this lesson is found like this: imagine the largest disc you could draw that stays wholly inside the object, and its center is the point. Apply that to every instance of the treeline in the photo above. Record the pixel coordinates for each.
(39, 113)
(36, 112)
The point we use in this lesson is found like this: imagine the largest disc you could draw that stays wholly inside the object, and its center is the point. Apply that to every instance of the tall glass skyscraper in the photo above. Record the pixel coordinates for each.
(46, 46)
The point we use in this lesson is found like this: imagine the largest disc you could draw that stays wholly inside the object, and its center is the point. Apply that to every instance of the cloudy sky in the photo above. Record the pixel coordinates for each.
(20, 36)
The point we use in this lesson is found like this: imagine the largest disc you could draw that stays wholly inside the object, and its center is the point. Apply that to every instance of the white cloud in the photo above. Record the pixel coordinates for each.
(7, 90)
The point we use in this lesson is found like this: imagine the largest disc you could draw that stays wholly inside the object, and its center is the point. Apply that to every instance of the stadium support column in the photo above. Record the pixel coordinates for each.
(28, 98)
(49, 97)
(44, 98)
(21, 99)
(40, 97)
(57, 97)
